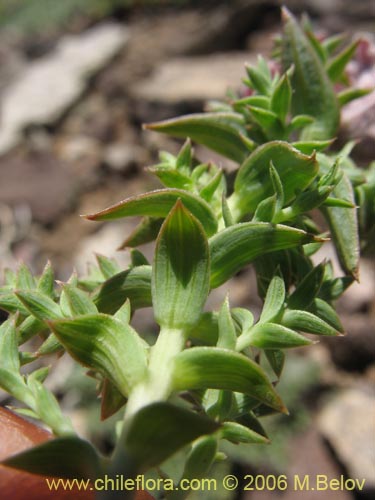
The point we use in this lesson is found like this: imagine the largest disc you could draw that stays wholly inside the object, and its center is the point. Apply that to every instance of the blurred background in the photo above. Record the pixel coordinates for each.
(77, 80)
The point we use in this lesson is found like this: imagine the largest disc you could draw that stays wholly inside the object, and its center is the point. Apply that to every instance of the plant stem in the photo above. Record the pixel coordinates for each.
(157, 386)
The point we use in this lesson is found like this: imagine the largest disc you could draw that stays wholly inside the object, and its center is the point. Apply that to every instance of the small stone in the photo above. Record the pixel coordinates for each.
(358, 116)
(347, 422)
(12, 63)
(84, 155)
(122, 158)
(38, 180)
(185, 83)
(73, 149)
(51, 84)
(309, 457)
(358, 122)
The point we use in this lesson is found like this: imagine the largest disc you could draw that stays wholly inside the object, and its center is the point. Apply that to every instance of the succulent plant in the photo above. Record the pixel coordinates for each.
(204, 379)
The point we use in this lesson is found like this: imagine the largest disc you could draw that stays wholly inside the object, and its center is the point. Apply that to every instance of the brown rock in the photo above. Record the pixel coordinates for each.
(347, 422)
(185, 84)
(39, 180)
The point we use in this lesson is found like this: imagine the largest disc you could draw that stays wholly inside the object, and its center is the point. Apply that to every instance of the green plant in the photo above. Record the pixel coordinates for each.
(204, 380)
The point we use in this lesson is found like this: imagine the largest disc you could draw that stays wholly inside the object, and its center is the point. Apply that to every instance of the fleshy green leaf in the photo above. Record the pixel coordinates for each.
(75, 302)
(108, 267)
(180, 282)
(274, 300)
(158, 204)
(10, 378)
(66, 457)
(138, 258)
(27, 357)
(300, 121)
(133, 284)
(171, 178)
(10, 277)
(216, 368)
(277, 187)
(46, 281)
(103, 343)
(309, 199)
(344, 228)
(184, 158)
(10, 303)
(209, 190)
(331, 43)
(313, 91)
(25, 279)
(39, 305)
(200, 458)
(308, 147)
(272, 336)
(307, 289)
(260, 101)
(237, 433)
(333, 289)
(238, 245)
(159, 430)
(30, 327)
(227, 333)
(9, 347)
(265, 211)
(268, 121)
(307, 322)
(276, 359)
(47, 407)
(337, 202)
(259, 77)
(249, 420)
(253, 182)
(124, 313)
(218, 131)
(327, 313)
(243, 317)
(316, 44)
(336, 65)
(281, 97)
(146, 231)
(225, 210)
(349, 95)
(13, 384)
(206, 331)
(50, 346)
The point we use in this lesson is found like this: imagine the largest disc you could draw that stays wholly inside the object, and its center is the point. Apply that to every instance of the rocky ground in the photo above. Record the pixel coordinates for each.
(71, 142)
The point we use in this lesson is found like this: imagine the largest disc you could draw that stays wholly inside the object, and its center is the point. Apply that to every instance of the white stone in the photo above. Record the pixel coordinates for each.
(51, 84)
(194, 78)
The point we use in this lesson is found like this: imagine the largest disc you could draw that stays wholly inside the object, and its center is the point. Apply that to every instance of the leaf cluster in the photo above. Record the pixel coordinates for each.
(203, 381)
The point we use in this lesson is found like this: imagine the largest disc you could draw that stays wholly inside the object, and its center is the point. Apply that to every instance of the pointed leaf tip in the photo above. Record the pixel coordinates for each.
(180, 281)
(217, 368)
(67, 457)
(159, 203)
